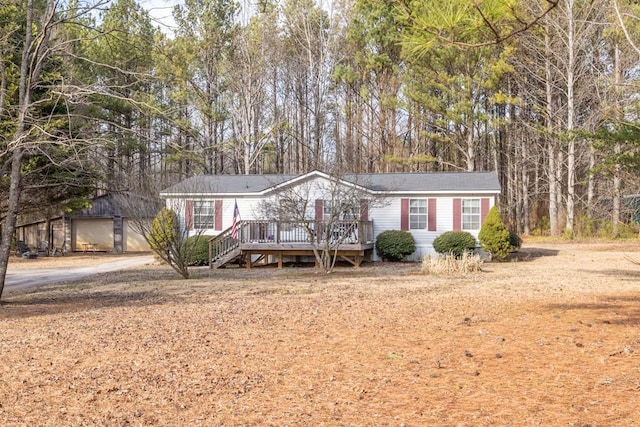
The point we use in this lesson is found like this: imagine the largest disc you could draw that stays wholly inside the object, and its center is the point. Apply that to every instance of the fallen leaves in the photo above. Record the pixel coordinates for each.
(528, 343)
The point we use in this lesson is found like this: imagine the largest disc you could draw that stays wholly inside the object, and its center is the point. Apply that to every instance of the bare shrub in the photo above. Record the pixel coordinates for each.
(450, 264)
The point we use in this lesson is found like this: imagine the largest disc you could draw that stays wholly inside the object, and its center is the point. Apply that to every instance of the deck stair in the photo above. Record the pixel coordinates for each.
(224, 249)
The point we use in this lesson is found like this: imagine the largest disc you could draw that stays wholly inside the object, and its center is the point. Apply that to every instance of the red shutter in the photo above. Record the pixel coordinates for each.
(484, 209)
(188, 214)
(457, 214)
(319, 210)
(364, 210)
(431, 212)
(218, 215)
(404, 214)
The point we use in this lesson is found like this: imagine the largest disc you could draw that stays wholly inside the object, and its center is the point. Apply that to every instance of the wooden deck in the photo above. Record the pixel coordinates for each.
(258, 241)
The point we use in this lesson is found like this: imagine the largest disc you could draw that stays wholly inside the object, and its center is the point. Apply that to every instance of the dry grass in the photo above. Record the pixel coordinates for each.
(452, 265)
(550, 340)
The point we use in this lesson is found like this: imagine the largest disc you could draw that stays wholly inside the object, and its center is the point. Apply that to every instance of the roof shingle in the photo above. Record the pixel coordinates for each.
(430, 182)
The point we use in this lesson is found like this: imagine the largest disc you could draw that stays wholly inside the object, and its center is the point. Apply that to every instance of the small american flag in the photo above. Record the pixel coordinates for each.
(234, 225)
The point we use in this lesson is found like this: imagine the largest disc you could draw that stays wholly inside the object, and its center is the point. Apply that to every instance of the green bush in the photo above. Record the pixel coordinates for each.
(197, 250)
(454, 242)
(494, 236)
(395, 245)
(164, 230)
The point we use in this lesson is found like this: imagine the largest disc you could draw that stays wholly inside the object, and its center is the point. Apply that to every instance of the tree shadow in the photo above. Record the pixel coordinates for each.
(161, 285)
(620, 273)
(100, 291)
(28, 305)
(612, 310)
(532, 253)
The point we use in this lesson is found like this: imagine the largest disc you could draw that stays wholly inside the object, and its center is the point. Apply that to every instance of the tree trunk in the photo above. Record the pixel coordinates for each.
(571, 150)
(28, 76)
(617, 180)
(12, 208)
(551, 151)
(526, 229)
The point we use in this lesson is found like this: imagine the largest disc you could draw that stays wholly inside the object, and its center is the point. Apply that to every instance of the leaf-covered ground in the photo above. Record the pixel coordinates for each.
(550, 339)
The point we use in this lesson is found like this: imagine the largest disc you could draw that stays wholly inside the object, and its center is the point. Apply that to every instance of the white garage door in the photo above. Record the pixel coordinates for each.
(92, 233)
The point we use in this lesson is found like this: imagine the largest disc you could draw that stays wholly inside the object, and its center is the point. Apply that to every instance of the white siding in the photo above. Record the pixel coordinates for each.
(388, 218)
(249, 210)
(133, 240)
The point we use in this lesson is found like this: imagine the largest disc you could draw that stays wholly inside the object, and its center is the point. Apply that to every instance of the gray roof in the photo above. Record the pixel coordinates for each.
(431, 182)
(428, 182)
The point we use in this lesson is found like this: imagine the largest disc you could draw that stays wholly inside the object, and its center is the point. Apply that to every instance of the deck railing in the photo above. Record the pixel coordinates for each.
(283, 232)
(259, 231)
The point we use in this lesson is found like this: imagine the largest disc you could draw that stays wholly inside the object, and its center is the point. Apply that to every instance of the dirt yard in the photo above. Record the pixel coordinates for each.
(552, 339)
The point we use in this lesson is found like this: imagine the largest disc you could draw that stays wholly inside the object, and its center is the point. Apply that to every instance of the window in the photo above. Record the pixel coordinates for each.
(470, 214)
(203, 214)
(350, 210)
(417, 214)
(326, 209)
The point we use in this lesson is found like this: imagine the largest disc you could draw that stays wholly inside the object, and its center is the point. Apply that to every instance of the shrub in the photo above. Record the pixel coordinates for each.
(395, 245)
(454, 242)
(514, 240)
(494, 236)
(197, 250)
(164, 230)
(451, 264)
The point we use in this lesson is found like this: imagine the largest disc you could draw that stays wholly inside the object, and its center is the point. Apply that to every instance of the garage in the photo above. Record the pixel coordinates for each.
(133, 240)
(92, 234)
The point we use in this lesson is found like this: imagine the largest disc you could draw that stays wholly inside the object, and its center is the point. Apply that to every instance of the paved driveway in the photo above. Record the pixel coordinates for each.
(25, 278)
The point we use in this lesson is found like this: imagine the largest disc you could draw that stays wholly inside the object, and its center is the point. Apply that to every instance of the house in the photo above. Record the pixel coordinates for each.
(106, 226)
(425, 204)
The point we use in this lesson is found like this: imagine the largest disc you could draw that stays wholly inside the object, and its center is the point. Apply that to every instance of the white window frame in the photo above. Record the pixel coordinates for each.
(418, 214)
(204, 214)
(470, 211)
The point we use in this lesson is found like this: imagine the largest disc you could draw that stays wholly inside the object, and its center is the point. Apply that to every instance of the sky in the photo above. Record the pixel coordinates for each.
(160, 12)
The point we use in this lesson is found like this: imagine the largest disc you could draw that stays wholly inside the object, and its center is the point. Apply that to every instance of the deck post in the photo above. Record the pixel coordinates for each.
(280, 260)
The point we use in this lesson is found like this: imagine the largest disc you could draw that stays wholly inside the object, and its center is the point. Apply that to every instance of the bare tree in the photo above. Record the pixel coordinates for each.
(38, 45)
(173, 240)
(329, 210)
(52, 121)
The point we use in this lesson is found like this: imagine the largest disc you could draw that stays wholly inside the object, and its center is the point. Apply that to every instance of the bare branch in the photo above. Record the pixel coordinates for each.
(623, 26)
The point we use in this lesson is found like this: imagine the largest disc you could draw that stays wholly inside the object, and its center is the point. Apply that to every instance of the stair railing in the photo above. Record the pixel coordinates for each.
(223, 243)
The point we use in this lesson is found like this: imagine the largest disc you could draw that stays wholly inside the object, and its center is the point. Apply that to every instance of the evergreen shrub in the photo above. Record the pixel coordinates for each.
(455, 243)
(494, 236)
(164, 230)
(197, 249)
(395, 245)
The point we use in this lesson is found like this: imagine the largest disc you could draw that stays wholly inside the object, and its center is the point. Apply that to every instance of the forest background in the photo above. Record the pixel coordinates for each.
(97, 96)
